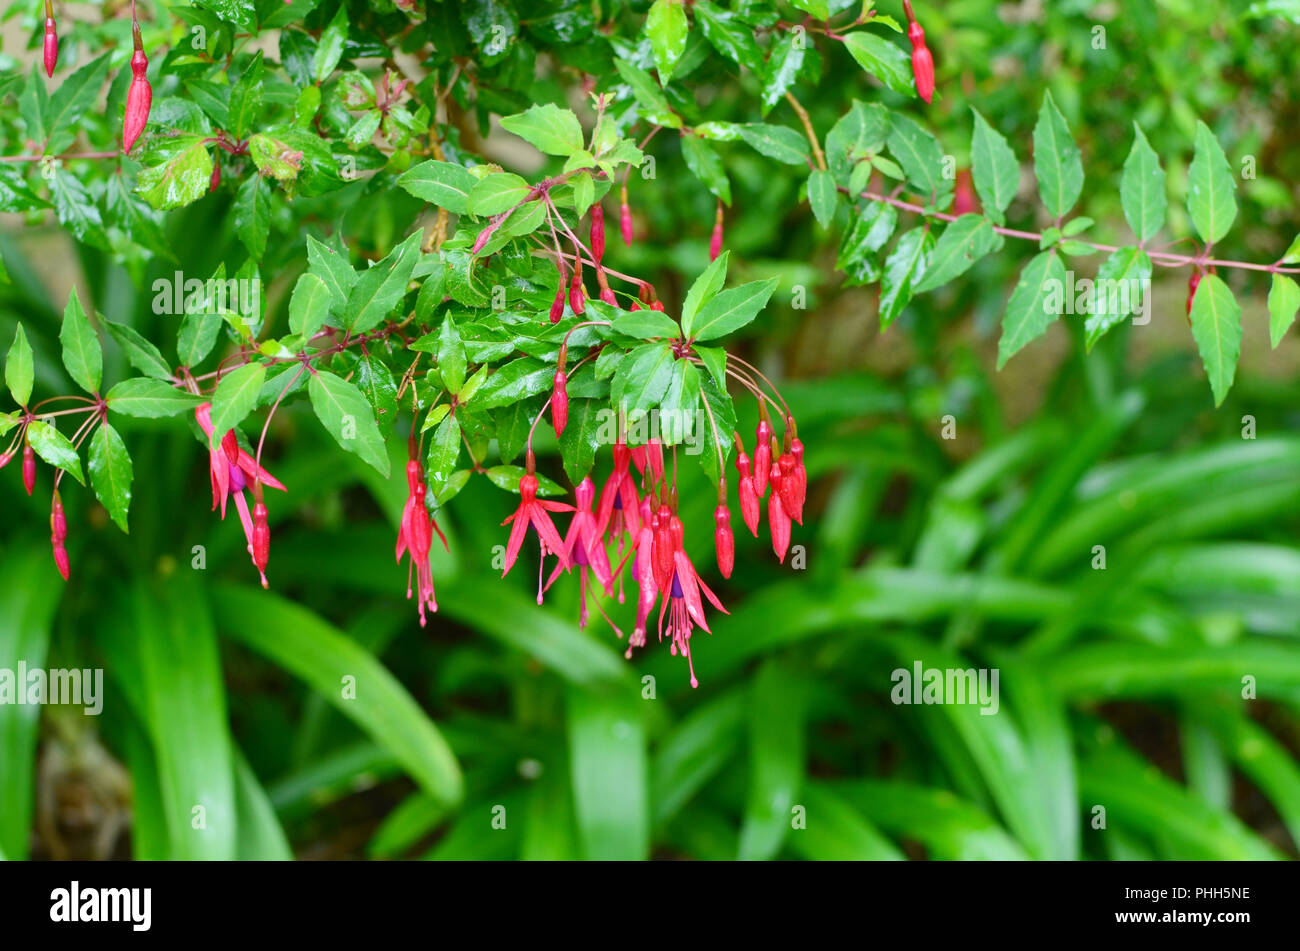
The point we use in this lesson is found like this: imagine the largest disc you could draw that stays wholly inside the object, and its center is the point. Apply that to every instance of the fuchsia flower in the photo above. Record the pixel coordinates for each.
(585, 547)
(231, 469)
(643, 570)
(29, 468)
(534, 511)
(59, 535)
(749, 501)
(619, 504)
(762, 453)
(777, 517)
(681, 597)
(415, 535)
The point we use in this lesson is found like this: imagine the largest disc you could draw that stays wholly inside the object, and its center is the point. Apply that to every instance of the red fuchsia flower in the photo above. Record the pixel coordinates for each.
(620, 507)
(762, 454)
(662, 552)
(585, 547)
(597, 232)
(749, 501)
(51, 41)
(625, 217)
(231, 470)
(715, 243)
(643, 571)
(59, 534)
(682, 596)
(777, 517)
(535, 512)
(607, 295)
(415, 536)
(139, 95)
(922, 60)
(29, 468)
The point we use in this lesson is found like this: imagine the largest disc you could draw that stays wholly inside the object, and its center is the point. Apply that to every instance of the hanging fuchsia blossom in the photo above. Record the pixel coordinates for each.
(749, 501)
(619, 504)
(585, 547)
(762, 453)
(777, 517)
(535, 512)
(643, 571)
(231, 470)
(681, 601)
(59, 535)
(29, 468)
(415, 536)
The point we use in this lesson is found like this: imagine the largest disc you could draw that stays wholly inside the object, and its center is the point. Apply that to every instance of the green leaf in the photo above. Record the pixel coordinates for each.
(922, 159)
(515, 381)
(1114, 298)
(275, 156)
(246, 100)
(1056, 160)
(962, 243)
(499, 192)
(77, 210)
(75, 95)
(649, 97)
(715, 361)
(882, 59)
(444, 450)
(667, 27)
(871, 229)
(451, 356)
(608, 763)
(703, 289)
(149, 399)
(346, 415)
(197, 336)
(183, 178)
(309, 305)
(1216, 326)
(776, 142)
(141, 353)
(994, 169)
(1283, 302)
(730, 35)
(782, 68)
(235, 397)
(646, 325)
(329, 49)
(54, 447)
(643, 378)
(19, 371)
(823, 197)
(81, 350)
(905, 266)
(732, 309)
(841, 833)
(253, 214)
(508, 477)
(332, 268)
(705, 164)
(776, 744)
(1210, 188)
(326, 659)
(548, 127)
(1142, 188)
(443, 184)
(381, 288)
(582, 438)
(111, 472)
(1028, 315)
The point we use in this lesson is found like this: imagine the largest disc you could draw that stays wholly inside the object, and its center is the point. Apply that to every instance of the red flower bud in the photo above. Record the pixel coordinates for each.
(576, 292)
(607, 295)
(658, 305)
(625, 218)
(560, 402)
(777, 518)
(800, 478)
(557, 305)
(724, 542)
(922, 62)
(715, 245)
(51, 41)
(5, 459)
(261, 541)
(597, 232)
(58, 534)
(139, 96)
(762, 456)
(29, 468)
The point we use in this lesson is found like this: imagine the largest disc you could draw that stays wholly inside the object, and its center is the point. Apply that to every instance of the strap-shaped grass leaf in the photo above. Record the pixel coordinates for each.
(306, 646)
(1056, 160)
(1210, 188)
(732, 309)
(149, 399)
(703, 289)
(776, 749)
(962, 243)
(19, 372)
(694, 750)
(382, 287)
(1028, 312)
(994, 168)
(111, 473)
(921, 157)
(55, 448)
(443, 184)
(1142, 188)
(906, 265)
(882, 59)
(346, 415)
(81, 351)
(841, 832)
(1283, 301)
(235, 397)
(1122, 282)
(608, 766)
(1216, 325)
(776, 142)
(548, 127)
(668, 29)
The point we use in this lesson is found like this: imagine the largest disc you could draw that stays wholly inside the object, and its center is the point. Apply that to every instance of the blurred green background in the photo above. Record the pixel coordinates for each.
(1162, 689)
